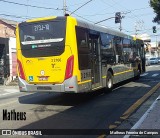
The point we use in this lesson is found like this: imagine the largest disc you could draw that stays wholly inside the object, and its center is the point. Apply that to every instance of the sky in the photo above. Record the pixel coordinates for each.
(138, 14)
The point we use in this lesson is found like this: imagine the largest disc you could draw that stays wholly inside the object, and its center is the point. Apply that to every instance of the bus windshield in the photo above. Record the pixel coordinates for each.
(45, 38)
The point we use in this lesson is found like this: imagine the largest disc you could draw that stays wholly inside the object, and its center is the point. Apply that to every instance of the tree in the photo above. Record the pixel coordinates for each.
(155, 4)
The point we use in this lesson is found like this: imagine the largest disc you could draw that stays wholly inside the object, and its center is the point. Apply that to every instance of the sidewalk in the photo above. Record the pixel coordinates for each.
(12, 83)
(3, 87)
(149, 122)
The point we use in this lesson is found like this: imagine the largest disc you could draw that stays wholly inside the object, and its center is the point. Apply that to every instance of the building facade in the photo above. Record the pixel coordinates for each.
(7, 51)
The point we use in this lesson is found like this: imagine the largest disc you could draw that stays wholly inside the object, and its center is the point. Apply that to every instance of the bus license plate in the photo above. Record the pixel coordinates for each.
(44, 88)
(43, 78)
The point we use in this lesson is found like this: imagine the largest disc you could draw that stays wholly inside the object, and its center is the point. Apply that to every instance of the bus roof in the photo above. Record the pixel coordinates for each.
(102, 29)
(86, 25)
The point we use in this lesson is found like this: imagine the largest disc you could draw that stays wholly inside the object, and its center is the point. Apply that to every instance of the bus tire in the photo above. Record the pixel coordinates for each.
(109, 82)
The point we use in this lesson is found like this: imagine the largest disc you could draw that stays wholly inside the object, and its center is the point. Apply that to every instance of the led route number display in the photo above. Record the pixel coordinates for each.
(41, 28)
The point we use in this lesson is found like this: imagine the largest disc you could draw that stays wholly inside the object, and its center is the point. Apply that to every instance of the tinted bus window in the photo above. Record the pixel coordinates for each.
(83, 48)
(127, 51)
(106, 40)
(45, 38)
(118, 48)
(107, 51)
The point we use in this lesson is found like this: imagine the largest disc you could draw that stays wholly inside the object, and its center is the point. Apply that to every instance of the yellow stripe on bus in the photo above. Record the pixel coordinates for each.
(122, 72)
(104, 77)
(84, 81)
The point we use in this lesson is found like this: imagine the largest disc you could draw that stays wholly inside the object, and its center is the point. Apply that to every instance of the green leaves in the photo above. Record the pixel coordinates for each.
(155, 4)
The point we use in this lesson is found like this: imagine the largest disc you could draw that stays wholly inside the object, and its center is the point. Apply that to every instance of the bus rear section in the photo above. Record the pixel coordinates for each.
(45, 62)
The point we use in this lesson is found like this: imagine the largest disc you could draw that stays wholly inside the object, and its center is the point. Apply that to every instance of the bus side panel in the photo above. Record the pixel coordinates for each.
(71, 42)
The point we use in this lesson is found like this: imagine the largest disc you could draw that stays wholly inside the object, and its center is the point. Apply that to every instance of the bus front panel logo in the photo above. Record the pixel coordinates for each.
(42, 72)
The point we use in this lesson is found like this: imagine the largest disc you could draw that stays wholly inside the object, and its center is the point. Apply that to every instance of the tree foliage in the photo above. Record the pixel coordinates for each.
(155, 4)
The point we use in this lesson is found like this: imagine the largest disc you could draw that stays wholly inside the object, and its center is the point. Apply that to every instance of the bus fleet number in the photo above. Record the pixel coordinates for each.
(56, 60)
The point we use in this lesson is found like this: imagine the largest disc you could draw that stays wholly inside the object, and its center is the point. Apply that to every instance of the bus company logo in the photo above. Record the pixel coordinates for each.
(42, 72)
(34, 46)
(29, 61)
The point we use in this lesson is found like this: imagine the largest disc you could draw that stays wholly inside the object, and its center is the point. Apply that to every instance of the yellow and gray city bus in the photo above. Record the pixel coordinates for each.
(63, 54)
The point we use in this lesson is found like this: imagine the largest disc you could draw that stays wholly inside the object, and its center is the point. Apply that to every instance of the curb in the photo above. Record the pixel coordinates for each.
(142, 119)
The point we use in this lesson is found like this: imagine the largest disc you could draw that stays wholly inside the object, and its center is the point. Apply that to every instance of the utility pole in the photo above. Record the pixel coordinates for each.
(118, 19)
(64, 7)
(139, 25)
(157, 46)
(120, 27)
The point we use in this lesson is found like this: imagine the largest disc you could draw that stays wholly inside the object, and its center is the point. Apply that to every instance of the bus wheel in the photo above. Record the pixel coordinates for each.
(109, 81)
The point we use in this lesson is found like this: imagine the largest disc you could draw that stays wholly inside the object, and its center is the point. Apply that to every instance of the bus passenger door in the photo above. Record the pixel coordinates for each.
(95, 60)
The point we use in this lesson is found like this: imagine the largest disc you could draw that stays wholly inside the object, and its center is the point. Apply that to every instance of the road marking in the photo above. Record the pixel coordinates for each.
(8, 93)
(154, 66)
(139, 102)
(112, 126)
(117, 122)
(142, 119)
(11, 90)
(154, 75)
(133, 107)
(144, 74)
(102, 136)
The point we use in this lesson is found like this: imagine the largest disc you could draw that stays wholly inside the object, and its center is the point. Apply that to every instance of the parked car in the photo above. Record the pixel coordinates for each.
(158, 59)
(148, 62)
(153, 60)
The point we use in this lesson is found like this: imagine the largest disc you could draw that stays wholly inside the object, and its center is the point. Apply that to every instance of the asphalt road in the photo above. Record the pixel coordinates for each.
(91, 111)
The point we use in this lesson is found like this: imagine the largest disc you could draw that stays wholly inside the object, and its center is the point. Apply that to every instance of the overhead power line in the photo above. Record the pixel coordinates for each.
(83, 18)
(104, 20)
(81, 6)
(27, 5)
(97, 14)
(15, 16)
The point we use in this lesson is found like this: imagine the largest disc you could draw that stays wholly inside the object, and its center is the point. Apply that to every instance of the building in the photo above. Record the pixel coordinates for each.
(153, 49)
(7, 51)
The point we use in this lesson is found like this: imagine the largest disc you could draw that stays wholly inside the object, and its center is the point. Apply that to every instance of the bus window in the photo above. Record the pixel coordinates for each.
(83, 48)
(127, 52)
(46, 35)
(107, 51)
(118, 49)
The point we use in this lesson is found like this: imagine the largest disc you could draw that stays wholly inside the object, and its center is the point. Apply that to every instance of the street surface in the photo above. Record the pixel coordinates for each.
(96, 110)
